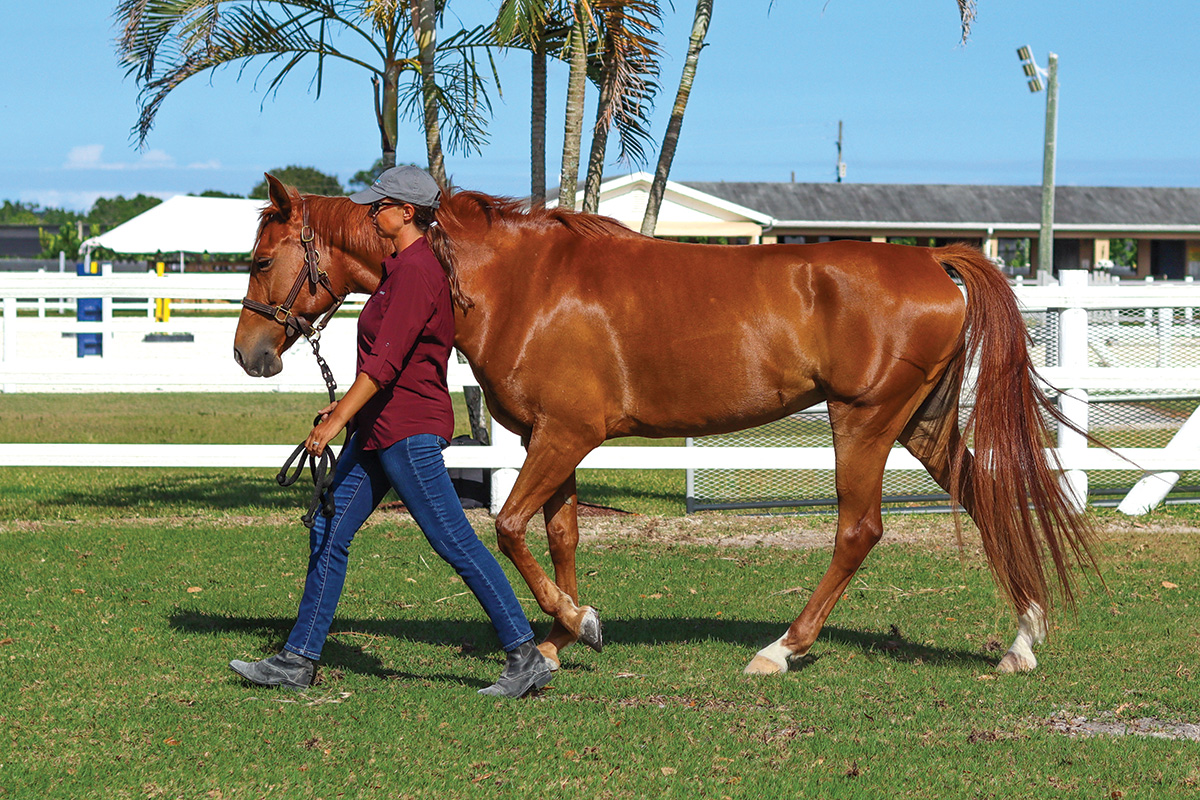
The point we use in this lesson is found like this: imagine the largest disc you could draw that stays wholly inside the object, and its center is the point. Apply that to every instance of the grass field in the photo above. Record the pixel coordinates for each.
(123, 596)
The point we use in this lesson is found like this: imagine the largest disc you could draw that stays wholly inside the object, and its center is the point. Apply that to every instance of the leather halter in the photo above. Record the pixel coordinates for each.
(315, 276)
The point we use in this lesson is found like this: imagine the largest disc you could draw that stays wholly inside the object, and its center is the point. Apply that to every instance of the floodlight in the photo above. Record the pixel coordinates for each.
(1030, 69)
(1024, 53)
(1035, 85)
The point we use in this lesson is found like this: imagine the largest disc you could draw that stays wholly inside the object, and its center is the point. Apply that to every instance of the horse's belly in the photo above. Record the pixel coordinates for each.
(718, 405)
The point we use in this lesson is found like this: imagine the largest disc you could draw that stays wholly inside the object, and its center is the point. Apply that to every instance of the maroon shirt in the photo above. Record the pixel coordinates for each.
(405, 333)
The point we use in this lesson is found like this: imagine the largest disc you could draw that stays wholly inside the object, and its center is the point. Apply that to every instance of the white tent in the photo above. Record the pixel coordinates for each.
(187, 225)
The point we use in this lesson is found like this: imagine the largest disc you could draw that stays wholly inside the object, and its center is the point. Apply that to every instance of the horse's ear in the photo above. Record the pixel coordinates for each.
(280, 196)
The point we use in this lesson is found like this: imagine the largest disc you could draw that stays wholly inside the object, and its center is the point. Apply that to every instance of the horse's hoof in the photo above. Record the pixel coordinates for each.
(590, 632)
(1013, 662)
(761, 665)
(550, 653)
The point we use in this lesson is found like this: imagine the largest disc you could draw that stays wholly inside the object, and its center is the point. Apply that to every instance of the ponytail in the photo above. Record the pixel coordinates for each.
(443, 248)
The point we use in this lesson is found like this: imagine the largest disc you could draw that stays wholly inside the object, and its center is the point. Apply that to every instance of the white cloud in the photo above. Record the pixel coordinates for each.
(91, 156)
(212, 163)
(84, 157)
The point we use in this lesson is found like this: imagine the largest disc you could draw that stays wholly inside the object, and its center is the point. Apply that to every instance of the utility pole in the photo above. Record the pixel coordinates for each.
(1046, 234)
(841, 165)
(1046, 237)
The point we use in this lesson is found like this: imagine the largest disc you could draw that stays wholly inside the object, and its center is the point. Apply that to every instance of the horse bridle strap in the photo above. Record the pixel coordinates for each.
(315, 276)
(321, 467)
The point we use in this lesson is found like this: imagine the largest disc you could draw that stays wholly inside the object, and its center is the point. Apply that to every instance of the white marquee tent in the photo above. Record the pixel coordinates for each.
(187, 225)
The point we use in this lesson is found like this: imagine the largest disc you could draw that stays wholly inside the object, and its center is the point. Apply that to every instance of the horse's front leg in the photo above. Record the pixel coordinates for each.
(550, 463)
(562, 533)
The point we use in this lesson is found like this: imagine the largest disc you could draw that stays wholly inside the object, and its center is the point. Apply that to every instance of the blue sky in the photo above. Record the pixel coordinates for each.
(917, 106)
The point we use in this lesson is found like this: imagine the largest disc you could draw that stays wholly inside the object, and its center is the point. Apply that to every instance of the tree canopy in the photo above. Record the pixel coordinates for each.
(108, 212)
(307, 179)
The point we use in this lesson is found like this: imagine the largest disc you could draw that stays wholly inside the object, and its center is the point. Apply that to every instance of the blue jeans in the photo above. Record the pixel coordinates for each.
(414, 467)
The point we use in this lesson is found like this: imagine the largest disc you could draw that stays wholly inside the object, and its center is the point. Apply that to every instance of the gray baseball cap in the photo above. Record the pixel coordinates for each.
(408, 184)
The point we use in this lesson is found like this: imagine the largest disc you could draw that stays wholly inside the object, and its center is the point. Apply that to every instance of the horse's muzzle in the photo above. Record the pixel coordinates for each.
(258, 363)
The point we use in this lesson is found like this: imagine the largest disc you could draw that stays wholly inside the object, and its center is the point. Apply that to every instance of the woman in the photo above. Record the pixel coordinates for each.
(402, 418)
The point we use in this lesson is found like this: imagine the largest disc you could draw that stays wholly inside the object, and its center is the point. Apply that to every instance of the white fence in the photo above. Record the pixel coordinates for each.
(34, 359)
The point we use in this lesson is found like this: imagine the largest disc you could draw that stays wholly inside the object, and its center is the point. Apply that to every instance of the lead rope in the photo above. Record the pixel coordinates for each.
(321, 467)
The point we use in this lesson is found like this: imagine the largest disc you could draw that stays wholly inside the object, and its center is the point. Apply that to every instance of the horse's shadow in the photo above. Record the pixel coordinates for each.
(345, 649)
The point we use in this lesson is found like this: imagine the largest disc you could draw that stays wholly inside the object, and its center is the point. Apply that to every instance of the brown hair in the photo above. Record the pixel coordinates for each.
(425, 219)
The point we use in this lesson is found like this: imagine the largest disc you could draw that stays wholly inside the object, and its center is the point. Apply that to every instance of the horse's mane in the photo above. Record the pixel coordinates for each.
(340, 221)
(460, 208)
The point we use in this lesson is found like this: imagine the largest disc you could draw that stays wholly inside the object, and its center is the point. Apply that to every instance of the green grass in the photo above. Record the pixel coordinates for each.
(114, 640)
(124, 594)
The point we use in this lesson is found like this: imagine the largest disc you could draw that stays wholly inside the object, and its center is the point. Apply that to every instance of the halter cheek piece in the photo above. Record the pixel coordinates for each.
(322, 467)
(315, 276)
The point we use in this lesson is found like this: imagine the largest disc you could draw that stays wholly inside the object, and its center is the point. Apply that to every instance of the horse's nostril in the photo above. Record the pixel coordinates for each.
(237, 356)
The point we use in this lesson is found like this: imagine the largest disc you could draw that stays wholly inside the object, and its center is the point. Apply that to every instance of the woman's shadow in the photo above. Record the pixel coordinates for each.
(348, 647)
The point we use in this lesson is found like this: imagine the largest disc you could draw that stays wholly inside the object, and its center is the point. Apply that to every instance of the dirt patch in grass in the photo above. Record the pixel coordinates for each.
(1109, 725)
(807, 531)
(598, 524)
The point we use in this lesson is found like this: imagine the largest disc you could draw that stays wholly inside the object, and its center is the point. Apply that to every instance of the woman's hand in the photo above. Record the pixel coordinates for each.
(336, 415)
(328, 428)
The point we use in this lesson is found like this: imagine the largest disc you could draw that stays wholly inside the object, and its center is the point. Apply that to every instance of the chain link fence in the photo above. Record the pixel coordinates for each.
(1132, 417)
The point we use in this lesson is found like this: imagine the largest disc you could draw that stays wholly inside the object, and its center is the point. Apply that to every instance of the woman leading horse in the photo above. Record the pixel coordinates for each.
(580, 330)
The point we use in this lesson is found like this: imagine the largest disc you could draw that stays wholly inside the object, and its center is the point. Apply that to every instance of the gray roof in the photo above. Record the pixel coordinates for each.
(1118, 206)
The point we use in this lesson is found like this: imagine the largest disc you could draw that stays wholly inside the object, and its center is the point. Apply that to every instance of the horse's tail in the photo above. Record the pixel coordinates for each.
(1014, 494)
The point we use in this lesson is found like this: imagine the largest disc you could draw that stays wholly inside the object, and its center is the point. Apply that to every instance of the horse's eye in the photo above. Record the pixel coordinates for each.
(262, 264)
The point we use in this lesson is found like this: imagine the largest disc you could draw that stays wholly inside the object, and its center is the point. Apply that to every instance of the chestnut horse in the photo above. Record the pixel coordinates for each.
(580, 330)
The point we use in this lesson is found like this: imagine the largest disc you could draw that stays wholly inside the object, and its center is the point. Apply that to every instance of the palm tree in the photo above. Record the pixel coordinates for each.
(618, 55)
(577, 51)
(625, 70)
(165, 42)
(966, 11)
(671, 138)
(541, 27)
(425, 27)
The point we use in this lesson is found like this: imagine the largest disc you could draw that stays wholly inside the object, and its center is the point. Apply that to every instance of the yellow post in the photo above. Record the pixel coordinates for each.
(162, 305)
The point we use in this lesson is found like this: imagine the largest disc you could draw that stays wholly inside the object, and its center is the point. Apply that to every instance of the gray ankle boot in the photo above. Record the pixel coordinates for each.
(526, 670)
(286, 669)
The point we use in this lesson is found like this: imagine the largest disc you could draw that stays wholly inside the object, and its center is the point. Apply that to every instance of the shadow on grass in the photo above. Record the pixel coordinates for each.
(618, 495)
(189, 490)
(477, 639)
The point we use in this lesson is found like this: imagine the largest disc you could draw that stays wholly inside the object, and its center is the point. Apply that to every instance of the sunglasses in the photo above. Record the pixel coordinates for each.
(379, 205)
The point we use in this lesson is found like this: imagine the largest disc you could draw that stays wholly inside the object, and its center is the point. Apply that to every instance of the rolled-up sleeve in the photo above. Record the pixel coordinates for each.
(406, 308)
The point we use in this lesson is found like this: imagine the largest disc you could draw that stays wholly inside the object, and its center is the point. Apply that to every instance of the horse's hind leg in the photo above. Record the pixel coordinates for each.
(932, 436)
(553, 456)
(862, 441)
(562, 533)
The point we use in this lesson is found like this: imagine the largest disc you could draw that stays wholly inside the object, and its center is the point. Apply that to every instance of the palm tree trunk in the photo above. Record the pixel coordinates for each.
(387, 113)
(671, 137)
(573, 128)
(595, 170)
(537, 127)
(424, 25)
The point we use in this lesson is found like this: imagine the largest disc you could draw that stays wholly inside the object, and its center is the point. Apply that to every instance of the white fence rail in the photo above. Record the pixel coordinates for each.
(33, 358)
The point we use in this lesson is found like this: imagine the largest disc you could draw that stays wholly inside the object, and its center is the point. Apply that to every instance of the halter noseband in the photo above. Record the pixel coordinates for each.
(315, 276)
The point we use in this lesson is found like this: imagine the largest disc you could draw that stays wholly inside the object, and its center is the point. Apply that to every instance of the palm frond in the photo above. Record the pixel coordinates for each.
(966, 12)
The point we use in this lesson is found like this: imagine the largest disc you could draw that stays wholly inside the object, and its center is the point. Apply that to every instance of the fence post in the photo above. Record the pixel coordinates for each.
(1073, 354)
(10, 328)
(1073, 403)
(1165, 317)
(106, 312)
(504, 478)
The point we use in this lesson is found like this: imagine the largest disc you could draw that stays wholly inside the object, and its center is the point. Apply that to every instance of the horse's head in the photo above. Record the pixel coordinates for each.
(292, 282)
